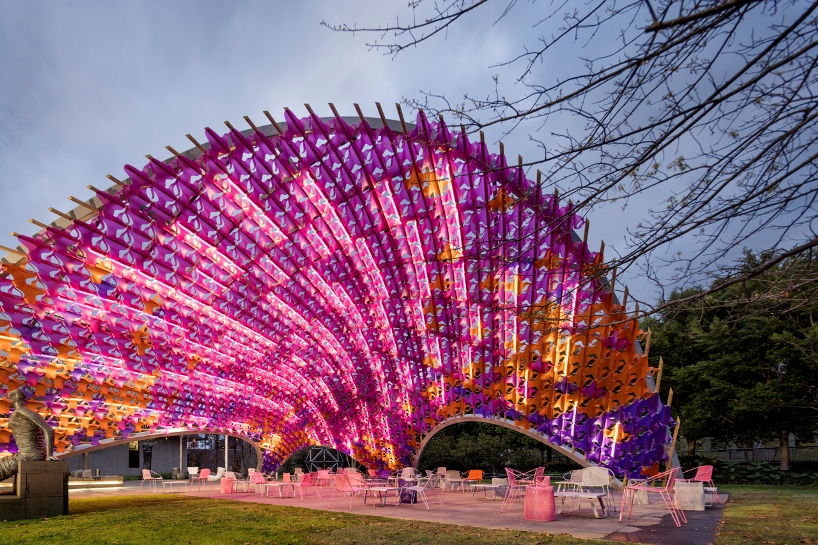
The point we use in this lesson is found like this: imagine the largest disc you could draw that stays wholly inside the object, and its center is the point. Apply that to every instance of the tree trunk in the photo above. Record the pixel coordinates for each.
(784, 445)
(691, 447)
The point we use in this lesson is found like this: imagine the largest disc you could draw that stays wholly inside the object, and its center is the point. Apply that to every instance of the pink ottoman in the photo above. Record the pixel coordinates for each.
(539, 503)
(227, 486)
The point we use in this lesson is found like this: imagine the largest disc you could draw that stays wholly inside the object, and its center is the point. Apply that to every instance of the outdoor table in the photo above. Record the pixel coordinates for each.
(279, 485)
(469, 483)
(590, 496)
(485, 487)
(566, 484)
(383, 492)
(172, 485)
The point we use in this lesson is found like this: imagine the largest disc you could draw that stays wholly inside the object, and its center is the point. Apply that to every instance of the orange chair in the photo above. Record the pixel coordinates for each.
(474, 476)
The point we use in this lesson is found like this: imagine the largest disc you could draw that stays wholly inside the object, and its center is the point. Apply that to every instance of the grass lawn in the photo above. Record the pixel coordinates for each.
(770, 515)
(761, 515)
(168, 520)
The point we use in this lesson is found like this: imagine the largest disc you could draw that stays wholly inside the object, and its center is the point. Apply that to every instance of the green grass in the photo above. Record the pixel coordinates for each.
(170, 520)
(757, 515)
(767, 515)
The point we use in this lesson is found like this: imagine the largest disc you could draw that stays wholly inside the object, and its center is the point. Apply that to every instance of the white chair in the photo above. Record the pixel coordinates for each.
(192, 471)
(428, 486)
(453, 479)
(237, 481)
(441, 474)
(408, 474)
(217, 477)
(599, 478)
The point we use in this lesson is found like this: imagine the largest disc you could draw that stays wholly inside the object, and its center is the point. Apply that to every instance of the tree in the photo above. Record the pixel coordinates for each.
(708, 107)
(743, 366)
(492, 448)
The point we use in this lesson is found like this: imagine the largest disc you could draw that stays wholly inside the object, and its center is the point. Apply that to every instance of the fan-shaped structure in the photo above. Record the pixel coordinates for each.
(329, 283)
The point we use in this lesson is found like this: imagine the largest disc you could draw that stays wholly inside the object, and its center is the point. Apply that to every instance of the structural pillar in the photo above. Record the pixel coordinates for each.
(226, 467)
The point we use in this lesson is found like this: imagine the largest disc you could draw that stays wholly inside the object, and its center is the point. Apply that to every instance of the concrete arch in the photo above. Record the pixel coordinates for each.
(568, 453)
(144, 436)
(330, 447)
(578, 458)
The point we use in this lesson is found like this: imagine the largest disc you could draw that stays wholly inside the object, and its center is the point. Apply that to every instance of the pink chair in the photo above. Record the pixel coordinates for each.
(515, 490)
(704, 474)
(152, 478)
(306, 480)
(665, 491)
(324, 478)
(538, 475)
(257, 480)
(201, 477)
(344, 486)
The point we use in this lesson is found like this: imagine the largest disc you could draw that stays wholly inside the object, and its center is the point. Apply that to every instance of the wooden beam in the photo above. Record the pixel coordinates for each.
(273, 122)
(647, 343)
(249, 122)
(659, 374)
(673, 444)
(195, 143)
(61, 214)
(13, 251)
(669, 397)
(358, 110)
(39, 224)
(117, 182)
(381, 114)
(82, 203)
(400, 117)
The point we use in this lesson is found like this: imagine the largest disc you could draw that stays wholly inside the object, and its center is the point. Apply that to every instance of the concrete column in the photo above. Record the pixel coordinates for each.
(226, 468)
(181, 441)
(86, 462)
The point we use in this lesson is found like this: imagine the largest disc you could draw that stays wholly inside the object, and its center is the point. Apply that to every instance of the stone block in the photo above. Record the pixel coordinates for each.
(689, 495)
(40, 485)
(46, 507)
(41, 490)
(51, 466)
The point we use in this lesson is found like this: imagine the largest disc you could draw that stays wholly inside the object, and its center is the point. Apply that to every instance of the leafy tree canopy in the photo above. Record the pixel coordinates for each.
(743, 362)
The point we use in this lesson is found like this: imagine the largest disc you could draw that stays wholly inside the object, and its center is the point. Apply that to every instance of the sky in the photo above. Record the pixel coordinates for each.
(87, 87)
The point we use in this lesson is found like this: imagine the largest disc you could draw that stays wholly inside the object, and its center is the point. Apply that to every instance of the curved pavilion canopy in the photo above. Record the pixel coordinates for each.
(328, 283)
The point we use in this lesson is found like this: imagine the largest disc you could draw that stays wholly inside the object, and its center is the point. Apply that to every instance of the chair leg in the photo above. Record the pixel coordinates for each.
(715, 492)
(423, 497)
(669, 503)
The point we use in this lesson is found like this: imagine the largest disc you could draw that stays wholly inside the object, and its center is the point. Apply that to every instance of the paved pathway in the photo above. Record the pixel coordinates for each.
(648, 524)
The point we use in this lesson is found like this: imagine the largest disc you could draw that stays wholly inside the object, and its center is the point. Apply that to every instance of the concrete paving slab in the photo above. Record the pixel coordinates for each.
(648, 523)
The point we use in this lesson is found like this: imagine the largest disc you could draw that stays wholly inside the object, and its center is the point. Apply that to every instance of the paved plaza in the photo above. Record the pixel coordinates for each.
(648, 524)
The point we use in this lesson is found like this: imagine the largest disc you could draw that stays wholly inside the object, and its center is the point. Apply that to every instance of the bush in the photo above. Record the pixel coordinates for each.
(762, 473)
